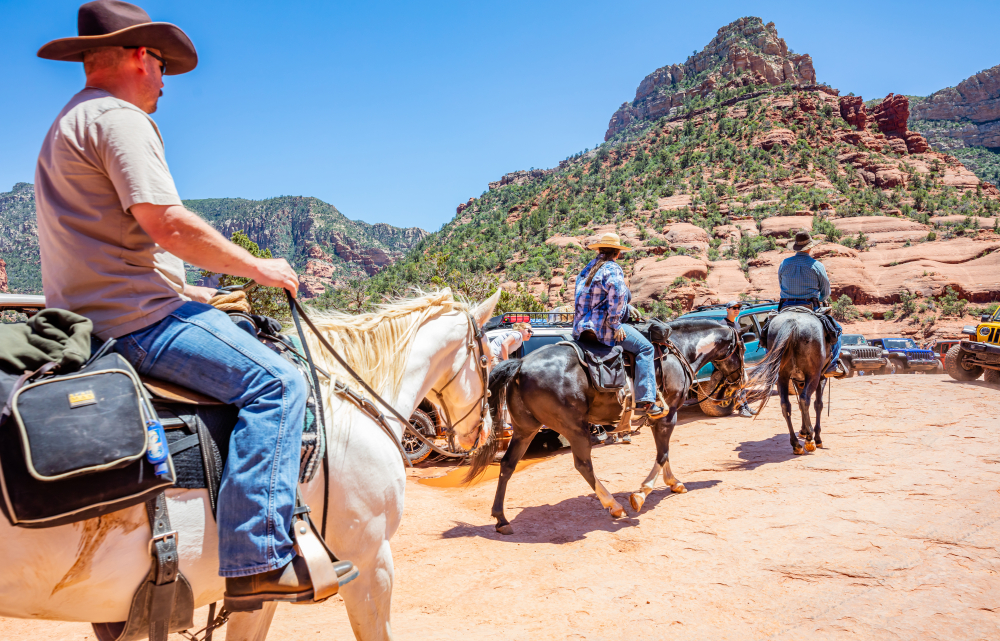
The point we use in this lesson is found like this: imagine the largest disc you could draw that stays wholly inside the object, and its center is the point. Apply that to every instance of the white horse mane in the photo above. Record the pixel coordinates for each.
(379, 343)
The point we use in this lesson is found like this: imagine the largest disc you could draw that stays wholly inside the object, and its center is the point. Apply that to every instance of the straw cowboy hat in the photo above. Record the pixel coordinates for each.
(113, 23)
(611, 241)
(803, 242)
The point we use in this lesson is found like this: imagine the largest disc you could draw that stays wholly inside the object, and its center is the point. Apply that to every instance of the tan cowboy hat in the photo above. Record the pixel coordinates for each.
(803, 242)
(610, 241)
(113, 23)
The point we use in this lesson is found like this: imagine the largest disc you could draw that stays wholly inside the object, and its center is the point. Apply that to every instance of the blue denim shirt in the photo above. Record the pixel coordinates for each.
(803, 277)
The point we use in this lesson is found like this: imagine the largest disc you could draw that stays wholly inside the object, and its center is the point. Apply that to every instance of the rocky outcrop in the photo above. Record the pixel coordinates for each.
(522, 177)
(853, 111)
(746, 52)
(3, 277)
(975, 100)
(891, 115)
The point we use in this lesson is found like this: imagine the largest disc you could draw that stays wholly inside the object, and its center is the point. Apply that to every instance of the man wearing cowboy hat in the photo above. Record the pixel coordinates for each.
(113, 234)
(602, 303)
(804, 282)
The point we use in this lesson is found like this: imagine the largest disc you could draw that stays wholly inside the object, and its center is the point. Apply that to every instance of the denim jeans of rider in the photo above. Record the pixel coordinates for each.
(197, 346)
(835, 350)
(645, 379)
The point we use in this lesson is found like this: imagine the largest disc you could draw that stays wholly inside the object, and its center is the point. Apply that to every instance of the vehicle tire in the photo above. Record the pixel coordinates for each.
(957, 369)
(939, 368)
(416, 450)
(992, 376)
(851, 372)
(710, 407)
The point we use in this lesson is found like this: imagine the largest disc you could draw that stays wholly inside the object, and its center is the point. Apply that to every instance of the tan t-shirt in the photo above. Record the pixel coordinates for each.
(101, 156)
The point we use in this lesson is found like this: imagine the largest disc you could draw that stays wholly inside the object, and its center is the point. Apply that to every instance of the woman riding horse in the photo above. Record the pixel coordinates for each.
(601, 307)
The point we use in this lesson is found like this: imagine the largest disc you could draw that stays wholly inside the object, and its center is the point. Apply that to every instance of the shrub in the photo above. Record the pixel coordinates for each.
(951, 304)
(844, 309)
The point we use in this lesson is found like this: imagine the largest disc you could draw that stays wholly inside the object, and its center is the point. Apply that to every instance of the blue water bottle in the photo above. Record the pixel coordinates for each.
(157, 451)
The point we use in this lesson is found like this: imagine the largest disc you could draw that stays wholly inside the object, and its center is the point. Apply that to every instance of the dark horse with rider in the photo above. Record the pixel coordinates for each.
(568, 386)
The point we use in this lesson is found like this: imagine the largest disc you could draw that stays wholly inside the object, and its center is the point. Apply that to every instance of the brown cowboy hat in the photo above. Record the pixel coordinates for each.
(113, 23)
(803, 242)
(609, 241)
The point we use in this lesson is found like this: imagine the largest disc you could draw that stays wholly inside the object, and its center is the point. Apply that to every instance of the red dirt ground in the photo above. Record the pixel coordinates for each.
(890, 532)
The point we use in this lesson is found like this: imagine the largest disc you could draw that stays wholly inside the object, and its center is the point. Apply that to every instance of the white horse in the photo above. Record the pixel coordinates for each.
(88, 571)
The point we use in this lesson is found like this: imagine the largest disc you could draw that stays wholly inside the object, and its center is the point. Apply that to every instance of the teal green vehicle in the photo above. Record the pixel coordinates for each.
(749, 321)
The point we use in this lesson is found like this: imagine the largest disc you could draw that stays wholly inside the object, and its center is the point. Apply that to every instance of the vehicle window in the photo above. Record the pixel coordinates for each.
(853, 339)
(536, 342)
(900, 343)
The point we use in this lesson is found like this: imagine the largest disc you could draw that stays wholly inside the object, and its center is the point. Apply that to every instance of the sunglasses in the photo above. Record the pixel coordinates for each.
(163, 63)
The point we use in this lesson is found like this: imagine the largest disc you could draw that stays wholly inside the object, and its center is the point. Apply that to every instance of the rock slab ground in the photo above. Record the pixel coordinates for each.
(889, 533)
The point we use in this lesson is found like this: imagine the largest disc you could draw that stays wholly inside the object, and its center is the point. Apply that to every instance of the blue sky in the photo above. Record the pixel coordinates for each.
(397, 111)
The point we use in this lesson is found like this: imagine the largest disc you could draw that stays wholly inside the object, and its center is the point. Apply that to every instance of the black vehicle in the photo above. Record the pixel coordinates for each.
(858, 355)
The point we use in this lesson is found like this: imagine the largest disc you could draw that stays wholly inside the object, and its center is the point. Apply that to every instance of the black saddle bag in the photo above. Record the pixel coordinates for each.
(73, 447)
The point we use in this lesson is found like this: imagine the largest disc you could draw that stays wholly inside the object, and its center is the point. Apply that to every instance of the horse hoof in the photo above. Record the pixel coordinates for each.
(636, 501)
(506, 530)
(678, 489)
(617, 511)
(810, 446)
(819, 445)
(797, 450)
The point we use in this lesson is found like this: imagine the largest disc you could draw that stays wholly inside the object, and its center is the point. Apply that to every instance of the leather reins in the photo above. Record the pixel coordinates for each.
(369, 408)
(725, 380)
(483, 363)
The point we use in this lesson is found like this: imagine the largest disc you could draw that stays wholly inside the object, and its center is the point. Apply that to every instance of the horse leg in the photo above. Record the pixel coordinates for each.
(819, 409)
(662, 431)
(579, 443)
(515, 450)
(786, 411)
(251, 626)
(368, 598)
(807, 391)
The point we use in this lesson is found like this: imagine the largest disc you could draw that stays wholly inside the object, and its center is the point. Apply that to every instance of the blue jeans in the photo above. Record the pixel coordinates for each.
(645, 378)
(197, 346)
(835, 350)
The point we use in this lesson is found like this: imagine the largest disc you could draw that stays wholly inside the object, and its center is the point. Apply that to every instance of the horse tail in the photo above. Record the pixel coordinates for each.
(762, 377)
(500, 379)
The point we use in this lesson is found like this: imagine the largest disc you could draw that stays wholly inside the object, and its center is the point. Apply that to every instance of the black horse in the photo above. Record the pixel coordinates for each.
(796, 355)
(550, 388)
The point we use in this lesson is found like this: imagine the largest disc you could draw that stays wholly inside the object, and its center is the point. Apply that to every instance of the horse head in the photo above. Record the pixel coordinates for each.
(459, 379)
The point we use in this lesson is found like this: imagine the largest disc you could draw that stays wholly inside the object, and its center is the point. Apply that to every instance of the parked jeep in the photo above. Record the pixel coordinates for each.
(858, 356)
(906, 356)
(941, 347)
(980, 355)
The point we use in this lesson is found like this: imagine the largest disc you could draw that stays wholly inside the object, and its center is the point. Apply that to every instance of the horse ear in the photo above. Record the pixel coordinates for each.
(484, 311)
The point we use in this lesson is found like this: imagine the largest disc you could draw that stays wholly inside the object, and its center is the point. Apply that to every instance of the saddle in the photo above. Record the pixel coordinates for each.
(199, 427)
(605, 366)
(831, 333)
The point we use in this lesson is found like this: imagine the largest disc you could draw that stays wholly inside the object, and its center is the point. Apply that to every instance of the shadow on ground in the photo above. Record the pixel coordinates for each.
(571, 519)
(753, 454)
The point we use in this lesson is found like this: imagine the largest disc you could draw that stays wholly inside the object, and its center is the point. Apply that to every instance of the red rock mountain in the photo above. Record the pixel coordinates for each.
(747, 48)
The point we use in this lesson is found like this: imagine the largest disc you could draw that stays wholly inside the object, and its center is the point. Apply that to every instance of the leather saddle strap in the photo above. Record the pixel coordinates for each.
(165, 566)
(213, 475)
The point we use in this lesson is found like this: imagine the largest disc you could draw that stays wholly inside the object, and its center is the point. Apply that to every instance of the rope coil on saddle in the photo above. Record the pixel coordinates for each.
(231, 302)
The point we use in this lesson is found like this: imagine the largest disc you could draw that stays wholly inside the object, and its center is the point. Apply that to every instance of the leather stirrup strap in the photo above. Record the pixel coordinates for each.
(163, 547)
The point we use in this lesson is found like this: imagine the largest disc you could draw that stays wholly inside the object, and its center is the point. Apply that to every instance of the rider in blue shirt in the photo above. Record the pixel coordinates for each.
(804, 282)
(601, 307)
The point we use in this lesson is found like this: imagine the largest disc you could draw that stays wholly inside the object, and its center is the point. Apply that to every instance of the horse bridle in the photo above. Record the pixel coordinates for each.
(726, 380)
(484, 407)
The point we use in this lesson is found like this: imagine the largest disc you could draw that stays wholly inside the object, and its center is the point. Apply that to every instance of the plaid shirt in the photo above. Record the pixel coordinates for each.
(601, 306)
(803, 277)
